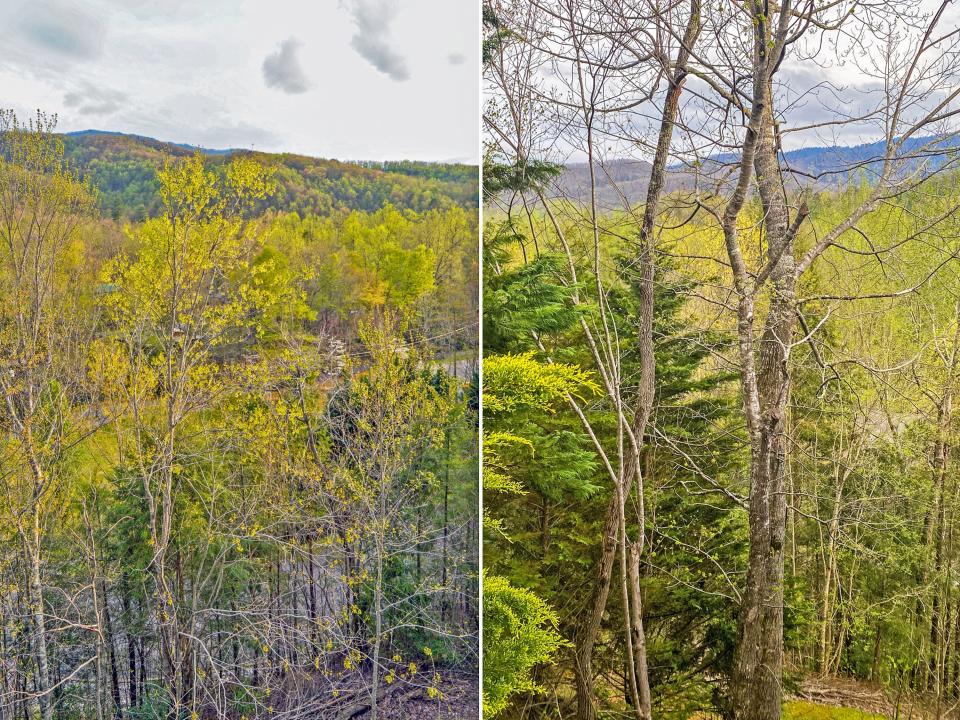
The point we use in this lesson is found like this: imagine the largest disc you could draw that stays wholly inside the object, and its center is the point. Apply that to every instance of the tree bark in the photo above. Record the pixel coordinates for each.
(756, 685)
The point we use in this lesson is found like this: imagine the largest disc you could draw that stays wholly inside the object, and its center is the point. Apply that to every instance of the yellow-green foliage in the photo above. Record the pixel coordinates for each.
(513, 382)
(518, 633)
(519, 382)
(803, 710)
(195, 400)
(518, 629)
(389, 258)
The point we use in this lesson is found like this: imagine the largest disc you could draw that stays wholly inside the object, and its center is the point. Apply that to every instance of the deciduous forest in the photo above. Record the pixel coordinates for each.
(238, 433)
(721, 322)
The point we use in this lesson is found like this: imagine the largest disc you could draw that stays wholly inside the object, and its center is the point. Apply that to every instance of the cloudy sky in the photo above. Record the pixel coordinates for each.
(349, 79)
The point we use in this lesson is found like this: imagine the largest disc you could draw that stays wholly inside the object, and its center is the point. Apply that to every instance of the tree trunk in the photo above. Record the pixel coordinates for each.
(39, 622)
(756, 686)
(639, 638)
(587, 636)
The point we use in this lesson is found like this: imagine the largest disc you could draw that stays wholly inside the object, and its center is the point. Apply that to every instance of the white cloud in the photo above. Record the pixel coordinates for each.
(193, 72)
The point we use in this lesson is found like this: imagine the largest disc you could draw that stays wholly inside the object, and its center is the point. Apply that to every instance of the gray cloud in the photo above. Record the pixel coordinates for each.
(281, 70)
(61, 27)
(91, 100)
(372, 39)
(195, 119)
(231, 135)
(456, 58)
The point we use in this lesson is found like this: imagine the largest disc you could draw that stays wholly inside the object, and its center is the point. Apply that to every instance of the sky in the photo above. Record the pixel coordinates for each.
(829, 90)
(345, 79)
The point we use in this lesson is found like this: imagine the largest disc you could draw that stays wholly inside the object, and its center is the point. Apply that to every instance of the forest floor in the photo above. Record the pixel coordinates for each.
(831, 698)
(459, 699)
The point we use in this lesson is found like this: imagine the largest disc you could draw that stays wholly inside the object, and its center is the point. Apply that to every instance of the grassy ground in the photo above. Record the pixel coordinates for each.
(803, 710)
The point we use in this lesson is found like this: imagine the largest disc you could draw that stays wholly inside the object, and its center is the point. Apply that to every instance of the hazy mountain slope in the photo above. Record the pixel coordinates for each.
(822, 167)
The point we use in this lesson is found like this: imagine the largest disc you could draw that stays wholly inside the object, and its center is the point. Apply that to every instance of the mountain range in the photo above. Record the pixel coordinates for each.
(823, 167)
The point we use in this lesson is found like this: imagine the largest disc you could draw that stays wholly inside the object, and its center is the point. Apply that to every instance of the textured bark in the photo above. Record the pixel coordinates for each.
(756, 685)
(35, 581)
(639, 637)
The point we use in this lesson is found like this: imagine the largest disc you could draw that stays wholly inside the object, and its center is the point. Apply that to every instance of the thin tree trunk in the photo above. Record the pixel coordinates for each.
(639, 638)
(587, 636)
(39, 621)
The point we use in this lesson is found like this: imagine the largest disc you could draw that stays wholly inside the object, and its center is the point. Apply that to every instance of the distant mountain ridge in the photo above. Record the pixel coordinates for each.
(824, 167)
(146, 139)
(123, 167)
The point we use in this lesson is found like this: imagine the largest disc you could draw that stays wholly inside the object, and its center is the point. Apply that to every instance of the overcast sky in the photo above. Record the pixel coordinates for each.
(348, 79)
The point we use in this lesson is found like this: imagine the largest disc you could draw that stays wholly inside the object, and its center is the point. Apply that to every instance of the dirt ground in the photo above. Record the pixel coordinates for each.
(460, 701)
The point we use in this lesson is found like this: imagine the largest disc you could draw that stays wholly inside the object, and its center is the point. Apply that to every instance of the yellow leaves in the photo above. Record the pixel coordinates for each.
(412, 668)
(428, 652)
(390, 677)
(249, 181)
(108, 367)
(205, 379)
(352, 660)
(188, 189)
(316, 662)
(191, 281)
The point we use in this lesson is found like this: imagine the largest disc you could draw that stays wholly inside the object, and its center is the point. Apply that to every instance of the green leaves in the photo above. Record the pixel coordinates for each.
(515, 382)
(519, 632)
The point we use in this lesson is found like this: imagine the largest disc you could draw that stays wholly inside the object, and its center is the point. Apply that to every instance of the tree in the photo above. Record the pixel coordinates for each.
(600, 87)
(44, 208)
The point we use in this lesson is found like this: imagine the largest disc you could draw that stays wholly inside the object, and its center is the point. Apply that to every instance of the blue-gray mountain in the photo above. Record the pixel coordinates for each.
(820, 167)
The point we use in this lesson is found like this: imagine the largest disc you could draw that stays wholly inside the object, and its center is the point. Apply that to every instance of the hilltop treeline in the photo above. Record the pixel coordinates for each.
(124, 170)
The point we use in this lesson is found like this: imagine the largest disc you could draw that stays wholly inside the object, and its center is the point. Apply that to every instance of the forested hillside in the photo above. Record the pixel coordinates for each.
(238, 437)
(123, 168)
(720, 417)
